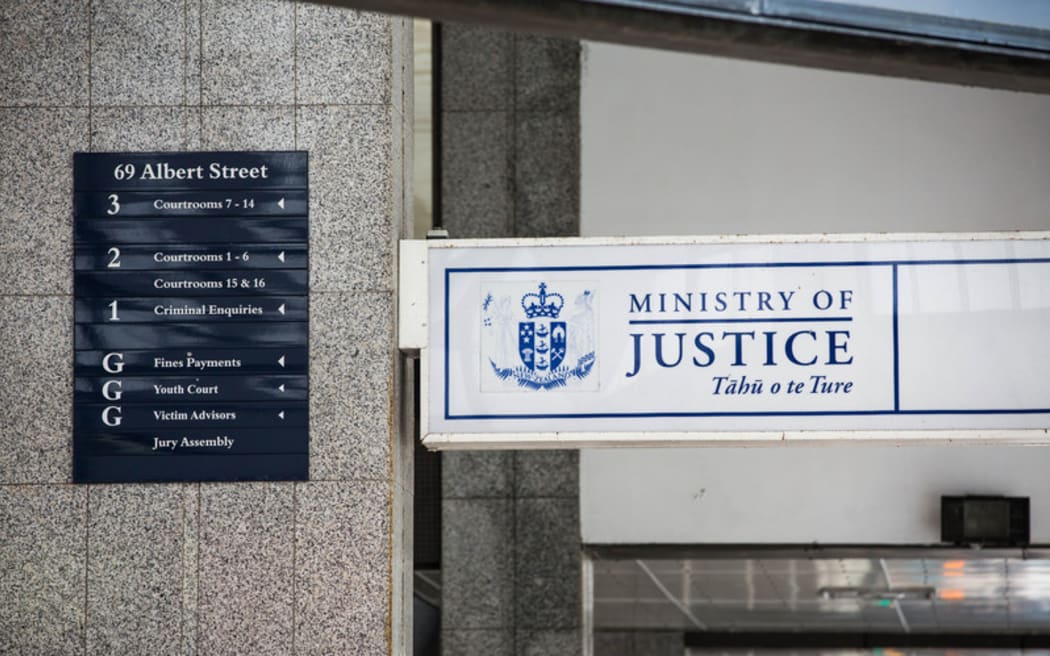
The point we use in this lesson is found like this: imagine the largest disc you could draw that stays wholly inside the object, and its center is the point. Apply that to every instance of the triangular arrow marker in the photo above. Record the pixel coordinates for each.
(280, 360)
(281, 309)
(281, 414)
(280, 256)
(281, 387)
(280, 203)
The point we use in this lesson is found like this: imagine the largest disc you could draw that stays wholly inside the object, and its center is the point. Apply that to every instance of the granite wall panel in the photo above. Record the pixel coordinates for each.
(553, 473)
(477, 642)
(138, 53)
(343, 568)
(477, 68)
(547, 563)
(42, 577)
(46, 49)
(134, 569)
(638, 643)
(145, 128)
(476, 474)
(351, 195)
(477, 537)
(248, 128)
(170, 568)
(547, 74)
(510, 162)
(565, 642)
(478, 174)
(247, 52)
(246, 566)
(353, 384)
(35, 222)
(36, 345)
(334, 56)
(547, 174)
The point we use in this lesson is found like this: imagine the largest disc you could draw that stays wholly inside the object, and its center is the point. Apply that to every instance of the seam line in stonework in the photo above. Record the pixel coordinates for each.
(182, 571)
(295, 540)
(514, 552)
(189, 104)
(330, 292)
(295, 119)
(199, 45)
(371, 292)
(312, 105)
(197, 610)
(201, 63)
(185, 48)
(485, 629)
(48, 105)
(569, 111)
(90, 75)
(493, 110)
(63, 483)
(180, 105)
(503, 497)
(355, 479)
(200, 72)
(512, 147)
(295, 55)
(87, 559)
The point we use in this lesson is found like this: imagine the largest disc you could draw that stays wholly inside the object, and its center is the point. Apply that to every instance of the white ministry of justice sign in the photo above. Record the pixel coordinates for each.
(588, 342)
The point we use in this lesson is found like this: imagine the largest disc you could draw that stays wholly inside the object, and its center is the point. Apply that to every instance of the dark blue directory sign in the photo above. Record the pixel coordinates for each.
(191, 317)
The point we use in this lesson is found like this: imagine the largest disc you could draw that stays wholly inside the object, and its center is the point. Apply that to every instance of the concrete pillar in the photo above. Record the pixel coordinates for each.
(260, 568)
(510, 520)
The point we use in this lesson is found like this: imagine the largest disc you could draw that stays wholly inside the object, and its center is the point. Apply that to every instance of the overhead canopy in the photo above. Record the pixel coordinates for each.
(1004, 44)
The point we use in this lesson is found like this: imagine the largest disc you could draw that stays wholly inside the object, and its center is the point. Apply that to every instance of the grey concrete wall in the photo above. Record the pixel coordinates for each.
(252, 568)
(510, 520)
(724, 146)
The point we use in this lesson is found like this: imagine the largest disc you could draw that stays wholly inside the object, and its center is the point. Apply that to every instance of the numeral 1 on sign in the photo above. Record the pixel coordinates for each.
(113, 312)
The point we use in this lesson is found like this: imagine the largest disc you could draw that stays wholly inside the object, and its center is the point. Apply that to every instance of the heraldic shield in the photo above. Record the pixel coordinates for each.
(541, 344)
(547, 358)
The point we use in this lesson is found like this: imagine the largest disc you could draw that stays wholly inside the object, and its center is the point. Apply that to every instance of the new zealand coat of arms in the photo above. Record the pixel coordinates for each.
(555, 343)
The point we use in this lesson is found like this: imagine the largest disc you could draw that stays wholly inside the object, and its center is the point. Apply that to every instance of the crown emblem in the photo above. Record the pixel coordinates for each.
(542, 304)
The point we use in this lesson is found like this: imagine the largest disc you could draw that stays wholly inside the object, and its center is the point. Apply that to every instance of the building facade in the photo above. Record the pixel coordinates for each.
(615, 551)
(317, 567)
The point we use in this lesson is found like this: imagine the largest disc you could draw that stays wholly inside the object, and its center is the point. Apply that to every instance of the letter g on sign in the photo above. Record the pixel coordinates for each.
(108, 417)
(112, 390)
(113, 363)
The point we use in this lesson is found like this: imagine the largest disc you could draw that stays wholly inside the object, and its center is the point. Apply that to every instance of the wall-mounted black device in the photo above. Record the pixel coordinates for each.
(985, 520)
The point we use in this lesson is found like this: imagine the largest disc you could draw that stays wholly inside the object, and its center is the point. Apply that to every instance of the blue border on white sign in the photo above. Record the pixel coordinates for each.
(895, 264)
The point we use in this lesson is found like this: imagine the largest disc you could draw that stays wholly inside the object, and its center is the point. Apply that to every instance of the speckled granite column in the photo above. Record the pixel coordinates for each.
(259, 568)
(511, 530)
